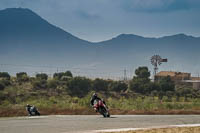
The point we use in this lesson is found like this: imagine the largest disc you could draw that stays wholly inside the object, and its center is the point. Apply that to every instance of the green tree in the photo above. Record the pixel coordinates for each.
(4, 75)
(100, 85)
(63, 75)
(78, 86)
(22, 77)
(152, 86)
(166, 84)
(141, 82)
(166, 88)
(68, 73)
(142, 72)
(42, 76)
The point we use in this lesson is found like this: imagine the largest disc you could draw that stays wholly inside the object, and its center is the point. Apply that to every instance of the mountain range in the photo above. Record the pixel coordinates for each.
(27, 38)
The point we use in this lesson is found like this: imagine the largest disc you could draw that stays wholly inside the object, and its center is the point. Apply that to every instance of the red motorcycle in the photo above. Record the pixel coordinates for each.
(100, 106)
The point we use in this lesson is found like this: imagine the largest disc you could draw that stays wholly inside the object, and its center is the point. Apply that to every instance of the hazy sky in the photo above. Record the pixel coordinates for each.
(97, 20)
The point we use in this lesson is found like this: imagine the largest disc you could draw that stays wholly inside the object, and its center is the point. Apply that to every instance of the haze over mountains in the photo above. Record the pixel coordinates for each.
(26, 38)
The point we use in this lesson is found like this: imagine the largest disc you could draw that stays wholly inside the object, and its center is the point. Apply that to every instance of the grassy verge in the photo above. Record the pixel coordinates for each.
(11, 112)
(166, 130)
(67, 105)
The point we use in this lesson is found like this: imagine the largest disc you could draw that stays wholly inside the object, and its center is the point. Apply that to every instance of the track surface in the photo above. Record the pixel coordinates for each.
(90, 123)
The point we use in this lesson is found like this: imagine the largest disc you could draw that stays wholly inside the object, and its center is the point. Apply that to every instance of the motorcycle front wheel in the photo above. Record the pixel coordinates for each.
(104, 112)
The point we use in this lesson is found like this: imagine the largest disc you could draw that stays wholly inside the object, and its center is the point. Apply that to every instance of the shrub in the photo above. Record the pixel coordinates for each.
(78, 86)
(12, 93)
(4, 83)
(2, 86)
(52, 84)
(39, 84)
(118, 86)
(139, 85)
(100, 85)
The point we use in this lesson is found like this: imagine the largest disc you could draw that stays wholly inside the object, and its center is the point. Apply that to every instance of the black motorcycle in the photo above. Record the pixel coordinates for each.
(33, 111)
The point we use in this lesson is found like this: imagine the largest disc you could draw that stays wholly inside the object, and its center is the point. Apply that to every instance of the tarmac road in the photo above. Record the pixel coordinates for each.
(89, 123)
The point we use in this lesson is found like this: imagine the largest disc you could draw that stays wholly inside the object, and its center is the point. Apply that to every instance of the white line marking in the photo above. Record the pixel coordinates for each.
(134, 129)
(36, 117)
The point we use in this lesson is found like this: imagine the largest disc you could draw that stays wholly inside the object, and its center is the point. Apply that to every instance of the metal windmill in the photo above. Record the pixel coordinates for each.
(155, 61)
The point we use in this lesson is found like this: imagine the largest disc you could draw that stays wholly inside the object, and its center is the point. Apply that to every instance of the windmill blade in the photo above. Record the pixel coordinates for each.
(164, 60)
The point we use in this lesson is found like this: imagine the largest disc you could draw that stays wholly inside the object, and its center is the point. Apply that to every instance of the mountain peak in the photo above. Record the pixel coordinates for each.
(16, 15)
(16, 10)
(178, 36)
(128, 36)
(22, 24)
(181, 35)
(20, 21)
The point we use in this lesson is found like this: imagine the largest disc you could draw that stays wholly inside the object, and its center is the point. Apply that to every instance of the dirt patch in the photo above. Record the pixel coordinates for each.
(166, 130)
(154, 112)
(48, 111)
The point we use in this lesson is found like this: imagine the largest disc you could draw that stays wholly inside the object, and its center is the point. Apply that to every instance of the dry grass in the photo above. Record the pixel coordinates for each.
(166, 130)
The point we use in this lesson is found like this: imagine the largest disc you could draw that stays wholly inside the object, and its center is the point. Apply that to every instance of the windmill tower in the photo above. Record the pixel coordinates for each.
(156, 60)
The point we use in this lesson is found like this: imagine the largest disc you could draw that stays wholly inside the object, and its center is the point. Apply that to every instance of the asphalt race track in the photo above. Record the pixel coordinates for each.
(89, 123)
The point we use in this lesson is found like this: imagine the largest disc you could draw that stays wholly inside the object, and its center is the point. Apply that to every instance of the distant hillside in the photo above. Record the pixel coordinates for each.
(24, 25)
(26, 38)
(137, 50)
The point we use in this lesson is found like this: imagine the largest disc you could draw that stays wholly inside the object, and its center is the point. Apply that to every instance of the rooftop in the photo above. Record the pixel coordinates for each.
(171, 73)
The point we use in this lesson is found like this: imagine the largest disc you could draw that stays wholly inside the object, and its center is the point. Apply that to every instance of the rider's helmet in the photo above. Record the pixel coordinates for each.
(28, 105)
(94, 95)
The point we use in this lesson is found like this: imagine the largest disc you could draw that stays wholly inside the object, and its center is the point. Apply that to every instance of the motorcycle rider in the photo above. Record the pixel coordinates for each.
(95, 97)
(28, 108)
(32, 110)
